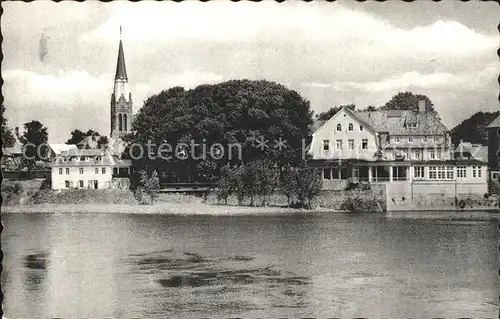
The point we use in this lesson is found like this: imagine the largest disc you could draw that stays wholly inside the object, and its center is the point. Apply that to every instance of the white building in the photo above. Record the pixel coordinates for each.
(409, 151)
(87, 169)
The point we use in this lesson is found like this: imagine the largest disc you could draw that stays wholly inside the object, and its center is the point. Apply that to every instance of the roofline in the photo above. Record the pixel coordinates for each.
(350, 112)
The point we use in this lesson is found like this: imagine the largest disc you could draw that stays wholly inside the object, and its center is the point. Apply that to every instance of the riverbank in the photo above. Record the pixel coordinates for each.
(158, 208)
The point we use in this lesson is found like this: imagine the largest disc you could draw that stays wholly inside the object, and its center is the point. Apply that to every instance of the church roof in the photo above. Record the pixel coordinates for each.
(121, 71)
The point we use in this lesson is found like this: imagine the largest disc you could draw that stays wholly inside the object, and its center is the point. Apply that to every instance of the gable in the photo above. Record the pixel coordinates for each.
(344, 117)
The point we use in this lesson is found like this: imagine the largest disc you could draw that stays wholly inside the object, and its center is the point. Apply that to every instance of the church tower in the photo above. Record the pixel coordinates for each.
(121, 98)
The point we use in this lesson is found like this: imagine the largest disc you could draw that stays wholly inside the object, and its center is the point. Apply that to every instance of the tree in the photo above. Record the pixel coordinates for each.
(325, 116)
(309, 184)
(7, 136)
(288, 183)
(34, 138)
(77, 136)
(473, 129)
(102, 142)
(148, 185)
(409, 101)
(370, 108)
(236, 112)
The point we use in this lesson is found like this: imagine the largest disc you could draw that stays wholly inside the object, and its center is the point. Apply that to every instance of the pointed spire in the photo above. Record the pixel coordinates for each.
(121, 71)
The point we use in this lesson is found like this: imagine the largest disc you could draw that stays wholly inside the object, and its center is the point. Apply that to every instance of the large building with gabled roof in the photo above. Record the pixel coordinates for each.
(403, 148)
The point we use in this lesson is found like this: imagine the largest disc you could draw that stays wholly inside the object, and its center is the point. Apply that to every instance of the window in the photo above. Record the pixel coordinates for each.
(410, 139)
(441, 172)
(474, 171)
(96, 170)
(351, 144)
(479, 171)
(450, 172)
(339, 144)
(327, 173)
(396, 139)
(351, 127)
(326, 145)
(419, 172)
(462, 171)
(339, 127)
(81, 170)
(361, 127)
(434, 138)
(438, 154)
(364, 144)
(432, 154)
(417, 154)
(67, 171)
(432, 172)
(425, 138)
(103, 170)
(66, 184)
(81, 183)
(60, 171)
(412, 125)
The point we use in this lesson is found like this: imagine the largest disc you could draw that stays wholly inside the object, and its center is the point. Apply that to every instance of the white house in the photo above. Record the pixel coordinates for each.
(411, 150)
(86, 169)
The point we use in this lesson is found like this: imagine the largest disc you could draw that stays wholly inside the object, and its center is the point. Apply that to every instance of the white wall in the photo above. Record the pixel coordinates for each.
(104, 180)
(329, 132)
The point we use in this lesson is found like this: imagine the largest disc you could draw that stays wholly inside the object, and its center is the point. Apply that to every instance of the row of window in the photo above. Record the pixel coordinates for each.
(94, 184)
(395, 139)
(350, 127)
(82, 170)
(350, 144)
(446, 172)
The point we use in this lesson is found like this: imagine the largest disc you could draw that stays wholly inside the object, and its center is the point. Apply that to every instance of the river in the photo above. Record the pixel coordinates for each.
(287, 265)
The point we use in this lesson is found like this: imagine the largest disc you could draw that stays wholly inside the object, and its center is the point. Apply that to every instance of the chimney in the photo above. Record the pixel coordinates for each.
(421, 106)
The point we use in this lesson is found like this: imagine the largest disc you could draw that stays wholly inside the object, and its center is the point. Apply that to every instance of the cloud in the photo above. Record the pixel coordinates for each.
(76, 99)
(414, 79)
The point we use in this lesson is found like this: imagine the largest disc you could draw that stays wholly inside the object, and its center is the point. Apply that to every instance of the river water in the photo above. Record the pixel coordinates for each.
(294, 265)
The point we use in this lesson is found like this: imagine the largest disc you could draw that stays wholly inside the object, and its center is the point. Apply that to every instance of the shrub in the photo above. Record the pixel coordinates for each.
(360, 205)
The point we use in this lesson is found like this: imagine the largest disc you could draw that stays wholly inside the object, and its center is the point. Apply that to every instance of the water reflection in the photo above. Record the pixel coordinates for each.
(299, 265)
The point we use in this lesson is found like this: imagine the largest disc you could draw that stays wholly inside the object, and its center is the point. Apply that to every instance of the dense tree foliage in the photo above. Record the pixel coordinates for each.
(325, 116)
(147, 190)
(77, 136)
(408, 101)
(36, 135)
(237, 112)
(473, 129)
(7, 136)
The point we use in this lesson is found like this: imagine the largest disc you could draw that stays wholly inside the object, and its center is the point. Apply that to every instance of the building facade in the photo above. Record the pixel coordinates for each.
(121, 99)
(87, 169)
(410, 149)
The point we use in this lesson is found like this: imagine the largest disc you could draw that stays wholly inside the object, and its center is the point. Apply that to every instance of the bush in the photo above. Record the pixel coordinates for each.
(360, 205)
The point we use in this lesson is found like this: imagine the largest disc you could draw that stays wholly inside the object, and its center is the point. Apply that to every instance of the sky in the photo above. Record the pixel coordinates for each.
(331, 53)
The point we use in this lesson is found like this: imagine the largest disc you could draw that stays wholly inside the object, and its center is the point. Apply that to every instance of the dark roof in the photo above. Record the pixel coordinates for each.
(495, 123)
(316, 125)
(121, 71)
(396, 122)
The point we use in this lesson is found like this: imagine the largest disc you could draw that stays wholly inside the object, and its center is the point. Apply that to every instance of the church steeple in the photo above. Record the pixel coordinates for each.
(121, 70)
(121, 98)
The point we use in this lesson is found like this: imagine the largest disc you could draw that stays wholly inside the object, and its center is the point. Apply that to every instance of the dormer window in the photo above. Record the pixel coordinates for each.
(434, 138)
(351, 127)
(339, 127)
(410, 139)
(361, 127)
(396, 139)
